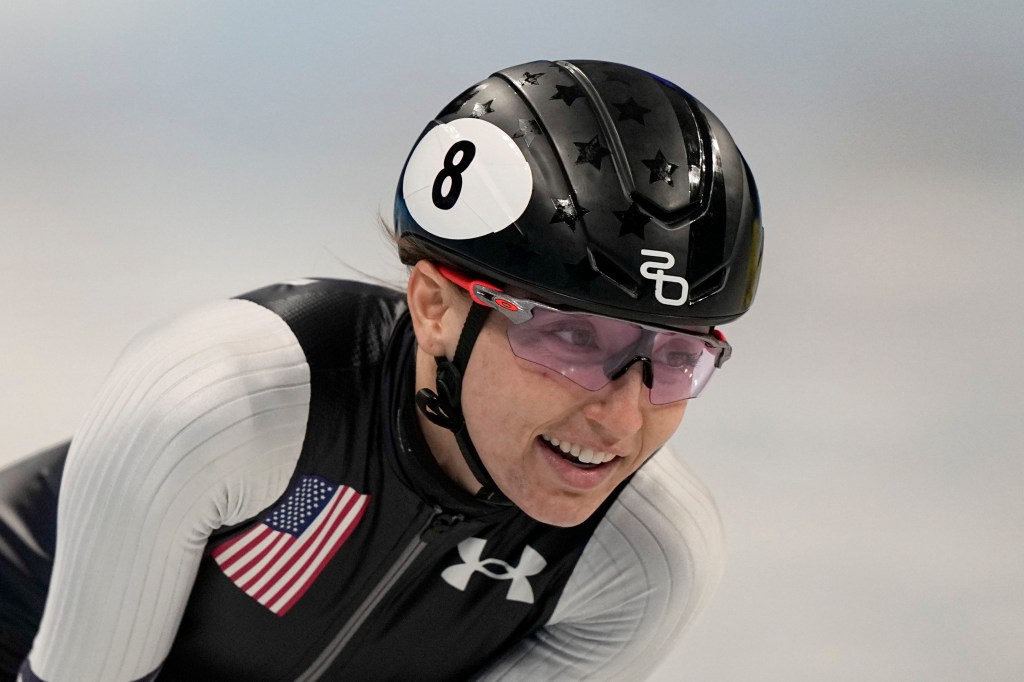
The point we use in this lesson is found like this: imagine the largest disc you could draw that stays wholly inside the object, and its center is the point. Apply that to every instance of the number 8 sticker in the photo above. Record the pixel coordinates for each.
(452, 171)
(466, 179)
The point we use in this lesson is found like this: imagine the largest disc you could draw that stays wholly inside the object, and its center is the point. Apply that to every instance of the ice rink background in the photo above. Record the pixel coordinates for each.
(865, 442)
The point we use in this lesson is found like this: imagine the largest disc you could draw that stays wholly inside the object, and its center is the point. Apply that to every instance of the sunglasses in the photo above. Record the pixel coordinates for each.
(593, 350)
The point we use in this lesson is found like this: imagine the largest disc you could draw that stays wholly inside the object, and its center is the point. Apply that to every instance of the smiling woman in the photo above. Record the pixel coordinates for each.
(613, 210)
(294, 483)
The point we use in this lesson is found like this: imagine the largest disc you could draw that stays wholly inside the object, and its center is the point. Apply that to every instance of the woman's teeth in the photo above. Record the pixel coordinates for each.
(584, 455)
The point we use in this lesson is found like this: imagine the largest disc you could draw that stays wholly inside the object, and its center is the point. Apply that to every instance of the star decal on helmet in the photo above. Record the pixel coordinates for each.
(591, 152)
(566, 211)
(530, 78)
(661, 168)
(632, 221)
(456, 104)
(482, 109)
(631, 111)
(568, 93)
(614, 74)
(528, 129)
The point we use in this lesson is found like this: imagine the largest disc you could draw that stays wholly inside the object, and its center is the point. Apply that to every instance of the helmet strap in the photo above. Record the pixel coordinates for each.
(444, 406)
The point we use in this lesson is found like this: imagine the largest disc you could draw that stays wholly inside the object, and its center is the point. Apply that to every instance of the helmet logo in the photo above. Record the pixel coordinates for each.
(656, 270)
(466, 179)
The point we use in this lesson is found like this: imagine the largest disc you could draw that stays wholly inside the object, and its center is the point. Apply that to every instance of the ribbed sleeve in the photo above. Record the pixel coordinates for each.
(650, 567)
(199, 425)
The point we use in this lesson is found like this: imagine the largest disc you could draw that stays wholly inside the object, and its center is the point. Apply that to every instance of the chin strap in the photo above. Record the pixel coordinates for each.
(444, 407)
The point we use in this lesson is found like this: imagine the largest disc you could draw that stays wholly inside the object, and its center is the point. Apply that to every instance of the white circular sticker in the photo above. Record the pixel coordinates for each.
(466, 179)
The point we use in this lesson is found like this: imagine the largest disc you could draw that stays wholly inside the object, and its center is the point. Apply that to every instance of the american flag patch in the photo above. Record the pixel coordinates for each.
(277, 560)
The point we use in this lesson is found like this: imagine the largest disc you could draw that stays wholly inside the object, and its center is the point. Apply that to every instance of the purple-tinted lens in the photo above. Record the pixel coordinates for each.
(590, 350)
(682, 366)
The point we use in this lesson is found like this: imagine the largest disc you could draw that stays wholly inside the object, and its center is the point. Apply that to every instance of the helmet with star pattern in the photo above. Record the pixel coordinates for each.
(590, 185)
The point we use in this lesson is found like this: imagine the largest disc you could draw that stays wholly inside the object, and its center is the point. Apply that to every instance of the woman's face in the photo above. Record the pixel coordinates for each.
(535, 430)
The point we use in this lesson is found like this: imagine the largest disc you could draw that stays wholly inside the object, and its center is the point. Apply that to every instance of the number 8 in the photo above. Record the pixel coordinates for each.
(452, 170)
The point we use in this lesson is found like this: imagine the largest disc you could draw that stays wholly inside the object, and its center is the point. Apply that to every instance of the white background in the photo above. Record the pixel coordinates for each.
(864, 442)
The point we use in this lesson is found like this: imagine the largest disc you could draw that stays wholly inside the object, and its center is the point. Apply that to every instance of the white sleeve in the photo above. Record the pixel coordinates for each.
(199, 425)
(652, 564)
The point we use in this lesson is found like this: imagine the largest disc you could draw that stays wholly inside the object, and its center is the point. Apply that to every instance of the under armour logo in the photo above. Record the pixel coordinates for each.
(656, 270)
(471, 549)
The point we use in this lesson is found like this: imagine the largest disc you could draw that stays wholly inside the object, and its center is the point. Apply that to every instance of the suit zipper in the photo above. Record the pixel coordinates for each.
(438, 524)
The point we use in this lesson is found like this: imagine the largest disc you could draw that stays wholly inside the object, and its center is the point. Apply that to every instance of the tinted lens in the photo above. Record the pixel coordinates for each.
(682, 366)
(590, 350)
(575, 346)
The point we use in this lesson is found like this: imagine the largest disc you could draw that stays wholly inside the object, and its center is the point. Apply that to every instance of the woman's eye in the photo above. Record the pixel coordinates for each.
(576, 336)
(679, 359)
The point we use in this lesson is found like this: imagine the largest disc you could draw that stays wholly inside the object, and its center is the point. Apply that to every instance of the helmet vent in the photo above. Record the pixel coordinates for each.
(670, 220)
(711, 284)
(613, 272)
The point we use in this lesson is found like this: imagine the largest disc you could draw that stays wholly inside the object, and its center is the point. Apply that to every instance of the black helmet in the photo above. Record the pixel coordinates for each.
(587, 184)
(591, 185)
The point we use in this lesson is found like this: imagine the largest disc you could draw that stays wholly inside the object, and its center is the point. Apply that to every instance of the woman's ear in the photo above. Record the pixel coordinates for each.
(433, 308)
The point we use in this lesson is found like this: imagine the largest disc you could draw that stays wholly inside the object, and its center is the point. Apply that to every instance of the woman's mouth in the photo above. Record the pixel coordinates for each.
(580, 456)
